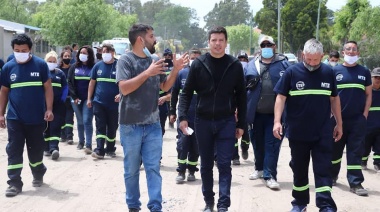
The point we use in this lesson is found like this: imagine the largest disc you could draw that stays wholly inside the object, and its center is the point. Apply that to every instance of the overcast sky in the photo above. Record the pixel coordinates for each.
(204, 6)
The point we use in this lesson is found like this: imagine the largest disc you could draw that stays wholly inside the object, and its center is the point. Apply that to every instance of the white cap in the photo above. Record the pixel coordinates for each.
(267, 38)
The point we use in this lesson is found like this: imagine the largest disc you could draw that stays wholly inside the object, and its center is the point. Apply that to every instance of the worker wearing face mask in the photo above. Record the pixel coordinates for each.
(60, 90)
(262, 74)
(103, 97)
(355, 92)
(333, 59)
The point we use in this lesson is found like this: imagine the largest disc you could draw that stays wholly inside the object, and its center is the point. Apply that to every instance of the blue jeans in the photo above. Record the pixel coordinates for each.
(266, 147)
(220, 135)
(84, 122)
(142, 142)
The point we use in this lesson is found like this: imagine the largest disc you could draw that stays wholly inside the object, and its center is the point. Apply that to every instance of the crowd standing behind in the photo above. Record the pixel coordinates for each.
(220, 99)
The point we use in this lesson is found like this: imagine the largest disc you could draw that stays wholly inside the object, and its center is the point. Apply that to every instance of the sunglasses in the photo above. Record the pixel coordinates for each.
(263, 45)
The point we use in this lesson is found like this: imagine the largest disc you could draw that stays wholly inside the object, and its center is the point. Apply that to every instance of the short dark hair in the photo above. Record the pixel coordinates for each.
(21, 39)
(68, 48)
(217, 29)
(334, 53)
(109, 47)
(351, 41)
(138, 30)
(91, 58)
(195, 51)
(74, 45)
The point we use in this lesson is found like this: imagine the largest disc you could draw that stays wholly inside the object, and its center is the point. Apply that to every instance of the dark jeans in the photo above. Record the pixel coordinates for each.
(67, 128)
(106, 126)
(353, 139)
(53, 131)
(20, 134)
(265, 146)
(320, 151)
(218, 134)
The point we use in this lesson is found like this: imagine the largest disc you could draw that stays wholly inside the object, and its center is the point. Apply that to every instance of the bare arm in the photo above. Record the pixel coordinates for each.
(49, 97)
(368, 100)
(3, 103)
(278, 110)
(90, 92)
(336, 110)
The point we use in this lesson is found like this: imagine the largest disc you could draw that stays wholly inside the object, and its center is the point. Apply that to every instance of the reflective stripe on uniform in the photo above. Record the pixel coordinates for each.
(180, 91)
(351, 85)
(67, 125)
(374, 109)
(354, 167)
(82, 78)
(244, 141)
(336, 161)
(182, 161)
(106, 80)
(15, 166)
(25, 84)
(364, 158)
(303, 188)
(52, 138)
(323, 189)
(376, 157)
(56, 85)
(35, 164)
(236, 144)
(105, 137)
(310, 92)
(192, 163)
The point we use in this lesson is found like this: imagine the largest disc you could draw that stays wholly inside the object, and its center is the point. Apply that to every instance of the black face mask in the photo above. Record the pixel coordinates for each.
(66, 61)
(169, 62)
(98, 56)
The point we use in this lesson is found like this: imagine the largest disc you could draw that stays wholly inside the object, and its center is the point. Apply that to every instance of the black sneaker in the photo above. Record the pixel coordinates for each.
(12, 191)
(37, 182)
(236, 162)
(209, 208)
(80, 146)
(133, 210)
(244, 155)
(70, 141)
(111, 154)
(55, 155)
(359, 190)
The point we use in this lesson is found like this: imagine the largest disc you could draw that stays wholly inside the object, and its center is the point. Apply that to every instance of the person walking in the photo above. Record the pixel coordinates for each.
(218, 80)
(309, 92)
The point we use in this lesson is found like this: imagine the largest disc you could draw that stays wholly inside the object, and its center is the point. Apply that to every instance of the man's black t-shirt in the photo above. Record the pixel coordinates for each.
(218, 66)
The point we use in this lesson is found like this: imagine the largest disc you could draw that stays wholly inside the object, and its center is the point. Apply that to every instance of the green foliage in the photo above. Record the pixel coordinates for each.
(151, 8)
(299, 20)
(17, 10)
(345, 17)
(228, 13)
(81, 21)
(238, 38)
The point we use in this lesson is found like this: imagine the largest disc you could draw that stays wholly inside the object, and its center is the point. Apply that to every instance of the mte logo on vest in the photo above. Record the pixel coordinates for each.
(34, 74)
(325, 85)
(300, 85)
(361, 77)
(339, 77)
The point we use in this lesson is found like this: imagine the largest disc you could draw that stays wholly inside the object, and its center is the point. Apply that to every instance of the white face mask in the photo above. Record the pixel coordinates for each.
(333, 64)
(21, 57)
(52, 66)
(107, 57)
(351, 59)
(83, 57)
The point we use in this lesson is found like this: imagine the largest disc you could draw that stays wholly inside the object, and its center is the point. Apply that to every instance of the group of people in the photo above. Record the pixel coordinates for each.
(215, 99)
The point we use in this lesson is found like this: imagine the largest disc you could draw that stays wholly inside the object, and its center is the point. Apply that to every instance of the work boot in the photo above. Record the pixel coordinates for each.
(180, 178)
(12, 191)
(55, 155)
(244, 155)
(191, 176)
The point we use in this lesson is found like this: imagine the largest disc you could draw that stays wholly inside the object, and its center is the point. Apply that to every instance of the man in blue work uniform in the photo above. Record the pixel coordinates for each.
(355, 92)
(309, 91)
(187, 146)
(26, 87)
(104, 102)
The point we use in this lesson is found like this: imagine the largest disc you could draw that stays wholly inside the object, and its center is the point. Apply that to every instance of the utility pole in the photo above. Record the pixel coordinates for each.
(250, 33)
(319, 14)
(279, 26)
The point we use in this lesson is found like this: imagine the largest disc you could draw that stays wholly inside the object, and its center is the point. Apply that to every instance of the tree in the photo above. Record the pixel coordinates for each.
(15, 10)
(238, 37)
(365, 29)
(83, 21)
(126, 6)
(346, 16)
(151, 8)
(228, 13)
(299, 20)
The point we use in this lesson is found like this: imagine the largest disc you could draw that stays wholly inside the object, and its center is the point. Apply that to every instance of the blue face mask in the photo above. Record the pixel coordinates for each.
(147, 52)
(267, 53)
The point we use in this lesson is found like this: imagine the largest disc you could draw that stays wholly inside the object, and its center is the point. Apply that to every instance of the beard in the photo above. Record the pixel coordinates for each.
(151, 48)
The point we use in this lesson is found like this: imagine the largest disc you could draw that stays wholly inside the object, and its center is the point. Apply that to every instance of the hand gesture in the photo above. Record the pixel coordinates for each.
(181, 62)
(157, 68)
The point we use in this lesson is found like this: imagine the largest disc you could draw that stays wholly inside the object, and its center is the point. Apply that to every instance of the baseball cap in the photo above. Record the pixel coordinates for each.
(99, 47)
(375, 72)
(243, 55)
(168, 52)
(266, 38)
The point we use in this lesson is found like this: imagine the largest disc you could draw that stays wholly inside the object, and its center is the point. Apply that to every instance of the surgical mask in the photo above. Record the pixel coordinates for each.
(310, 67)
(66, 61)
(267, 53)
(52, 66)
(333, 64)
(21, 57)
(190, 62)
(83, 57)
(351, 59)
(107, 57)
(147, 52)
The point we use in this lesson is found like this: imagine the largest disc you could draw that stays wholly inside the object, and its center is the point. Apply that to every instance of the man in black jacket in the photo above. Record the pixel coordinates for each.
(218, 80)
